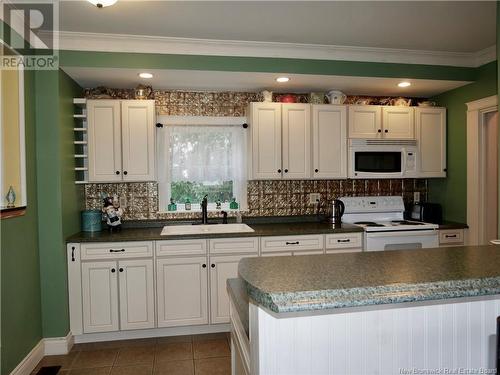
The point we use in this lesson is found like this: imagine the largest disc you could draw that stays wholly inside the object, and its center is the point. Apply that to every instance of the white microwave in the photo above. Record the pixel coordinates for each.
(382, 158)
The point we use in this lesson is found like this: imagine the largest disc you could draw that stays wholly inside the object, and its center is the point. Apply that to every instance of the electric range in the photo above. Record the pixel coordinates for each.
(385, 228)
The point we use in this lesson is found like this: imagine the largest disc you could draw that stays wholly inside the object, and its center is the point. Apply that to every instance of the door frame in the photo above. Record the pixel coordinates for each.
(476, 116)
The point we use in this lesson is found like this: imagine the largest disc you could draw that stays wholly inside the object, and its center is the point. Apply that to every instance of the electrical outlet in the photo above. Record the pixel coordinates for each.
(314, 198)
(416, 196)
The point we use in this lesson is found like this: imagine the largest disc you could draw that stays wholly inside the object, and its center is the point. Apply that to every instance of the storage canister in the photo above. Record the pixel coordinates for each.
(91, 221)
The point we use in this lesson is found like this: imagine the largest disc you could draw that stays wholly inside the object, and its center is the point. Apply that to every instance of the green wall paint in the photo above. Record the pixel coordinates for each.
(20, 272)
(263, 64)
(452, 191)
(58, 206)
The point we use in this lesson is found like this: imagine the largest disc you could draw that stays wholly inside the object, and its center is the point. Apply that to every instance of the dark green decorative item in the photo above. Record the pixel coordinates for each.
(172, 206)
(233, 205)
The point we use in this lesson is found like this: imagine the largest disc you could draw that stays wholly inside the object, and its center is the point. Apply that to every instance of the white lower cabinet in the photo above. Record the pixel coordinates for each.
(170, 283)
(118, 295)
(182, 291)
(100, 297)
(221, 268)
(137, 306)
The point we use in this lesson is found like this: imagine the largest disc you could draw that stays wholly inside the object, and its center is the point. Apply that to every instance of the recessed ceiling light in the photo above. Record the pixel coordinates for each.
(102, 3)
(404, 84)
(146, 75)
(282, 79)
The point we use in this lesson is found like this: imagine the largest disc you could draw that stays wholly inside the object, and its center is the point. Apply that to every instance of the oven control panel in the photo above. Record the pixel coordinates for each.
(373, 204)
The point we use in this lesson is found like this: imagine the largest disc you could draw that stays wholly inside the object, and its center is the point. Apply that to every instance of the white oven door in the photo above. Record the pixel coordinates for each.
(401, 240)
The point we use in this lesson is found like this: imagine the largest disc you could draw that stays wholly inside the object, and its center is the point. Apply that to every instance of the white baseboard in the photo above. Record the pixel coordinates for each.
(28, 364)
(151, 333)
(48, 346)
(58, 345)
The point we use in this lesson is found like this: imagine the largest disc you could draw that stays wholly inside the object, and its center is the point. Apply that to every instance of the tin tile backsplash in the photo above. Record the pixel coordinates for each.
(265, 198)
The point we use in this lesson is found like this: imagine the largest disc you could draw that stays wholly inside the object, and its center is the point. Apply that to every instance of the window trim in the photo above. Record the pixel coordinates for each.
(163, 157)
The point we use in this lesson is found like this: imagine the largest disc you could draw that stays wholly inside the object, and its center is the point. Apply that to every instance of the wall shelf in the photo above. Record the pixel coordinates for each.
(80, 141)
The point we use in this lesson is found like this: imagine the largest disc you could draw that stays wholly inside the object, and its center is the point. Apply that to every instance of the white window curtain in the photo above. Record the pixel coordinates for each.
(205, 153)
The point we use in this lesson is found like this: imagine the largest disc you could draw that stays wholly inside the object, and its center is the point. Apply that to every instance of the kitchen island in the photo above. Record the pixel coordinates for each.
(367, 313)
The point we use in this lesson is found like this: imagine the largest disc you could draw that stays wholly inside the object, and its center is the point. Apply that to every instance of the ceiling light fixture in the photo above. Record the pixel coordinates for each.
(102, 3)
(404, 84)
(282, 79)
(145, 75)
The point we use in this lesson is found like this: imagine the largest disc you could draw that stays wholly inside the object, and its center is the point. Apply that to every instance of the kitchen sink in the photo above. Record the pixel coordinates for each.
(176, 230)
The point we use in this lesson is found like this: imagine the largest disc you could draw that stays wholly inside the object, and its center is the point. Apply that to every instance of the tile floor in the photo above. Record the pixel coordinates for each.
(180, 355)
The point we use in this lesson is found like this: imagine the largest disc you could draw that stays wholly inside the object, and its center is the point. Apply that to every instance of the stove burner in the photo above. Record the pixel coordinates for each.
(406, 222)
(368, 224)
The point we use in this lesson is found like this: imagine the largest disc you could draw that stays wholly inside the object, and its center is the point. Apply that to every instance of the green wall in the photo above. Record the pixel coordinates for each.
(60, 199)
(452, 191)
(20, 272)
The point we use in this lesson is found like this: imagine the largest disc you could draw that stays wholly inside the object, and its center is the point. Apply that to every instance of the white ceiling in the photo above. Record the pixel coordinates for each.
(453, 26)
(245, 81)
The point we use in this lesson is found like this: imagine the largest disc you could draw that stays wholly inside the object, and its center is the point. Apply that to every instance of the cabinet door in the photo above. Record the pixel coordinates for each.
(100, 297)
(329, 141)
(431, 136)
(138, 140)
(136, 294)
(104, 140)
(296, 141)
(221, 269)
(182, 291)
(365, 121)
(398, 122)
(265, 123)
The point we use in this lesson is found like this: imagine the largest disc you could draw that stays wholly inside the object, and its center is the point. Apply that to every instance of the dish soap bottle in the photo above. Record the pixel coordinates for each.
(172, 206)
(187, 205)
(233, 205)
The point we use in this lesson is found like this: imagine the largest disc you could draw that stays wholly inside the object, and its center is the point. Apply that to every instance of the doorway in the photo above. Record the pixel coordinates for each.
(482, 170)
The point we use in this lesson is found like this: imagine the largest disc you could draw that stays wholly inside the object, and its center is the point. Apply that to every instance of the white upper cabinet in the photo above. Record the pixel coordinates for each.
(104, 140)
(121, 140)
(138, 144)
(296, 141)
(329, 133)
(265, 127)
(431, 136)
(398, 122)
(365, 121)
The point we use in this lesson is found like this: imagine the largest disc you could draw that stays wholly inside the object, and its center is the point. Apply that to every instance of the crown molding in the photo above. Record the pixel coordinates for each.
(81, 41)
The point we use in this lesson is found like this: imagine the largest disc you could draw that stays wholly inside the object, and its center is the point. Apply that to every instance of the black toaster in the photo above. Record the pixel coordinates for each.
(427, 212)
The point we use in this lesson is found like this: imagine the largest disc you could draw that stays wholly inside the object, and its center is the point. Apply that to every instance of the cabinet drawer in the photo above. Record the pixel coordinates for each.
(112, 250)
(343, 241)
(181, 247)
(451, 236)
(245, 245)
(291, 243)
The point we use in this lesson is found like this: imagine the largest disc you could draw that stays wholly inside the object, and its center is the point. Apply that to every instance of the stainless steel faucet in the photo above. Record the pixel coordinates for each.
(204, 210)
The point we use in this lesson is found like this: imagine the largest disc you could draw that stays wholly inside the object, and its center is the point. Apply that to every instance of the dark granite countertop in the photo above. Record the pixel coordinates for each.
(261, 230)
(237, 291)
(452, 225)
(317, 282)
